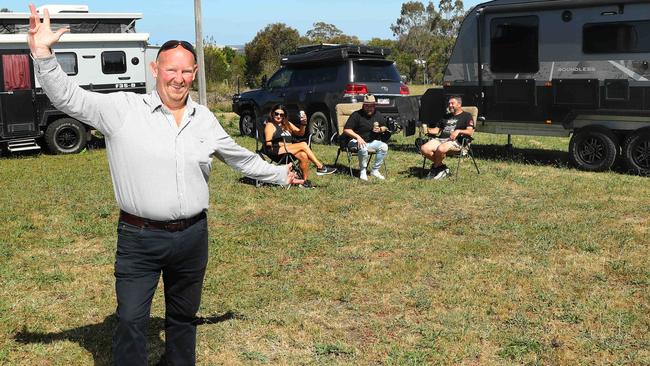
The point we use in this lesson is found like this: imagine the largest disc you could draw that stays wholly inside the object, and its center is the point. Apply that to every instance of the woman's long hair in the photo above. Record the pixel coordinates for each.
(285, 120)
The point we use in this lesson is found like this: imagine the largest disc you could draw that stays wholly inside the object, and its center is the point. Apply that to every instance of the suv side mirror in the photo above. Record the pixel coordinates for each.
(264, 81)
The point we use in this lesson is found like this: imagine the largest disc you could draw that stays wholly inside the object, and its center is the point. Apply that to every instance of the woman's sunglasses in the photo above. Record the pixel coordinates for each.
(278, 114)
(174, 43)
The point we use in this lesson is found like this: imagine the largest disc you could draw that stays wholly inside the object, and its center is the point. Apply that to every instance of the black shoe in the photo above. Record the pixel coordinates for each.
(442, 173)
(307, 184)
(325, 170)
(434, 171)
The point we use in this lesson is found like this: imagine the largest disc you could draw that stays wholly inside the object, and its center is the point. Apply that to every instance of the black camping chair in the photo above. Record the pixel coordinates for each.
(281, 159)
(343, 112)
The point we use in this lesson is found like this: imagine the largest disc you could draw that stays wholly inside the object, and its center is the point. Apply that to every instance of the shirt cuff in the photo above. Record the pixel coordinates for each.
(44, 64)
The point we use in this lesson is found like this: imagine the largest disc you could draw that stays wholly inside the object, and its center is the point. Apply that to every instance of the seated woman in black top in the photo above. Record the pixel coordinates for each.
(278, 140)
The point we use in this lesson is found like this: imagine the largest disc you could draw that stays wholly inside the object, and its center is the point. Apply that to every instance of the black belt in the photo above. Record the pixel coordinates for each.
(171, 225)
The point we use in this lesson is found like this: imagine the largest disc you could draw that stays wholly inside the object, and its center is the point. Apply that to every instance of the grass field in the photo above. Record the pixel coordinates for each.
(529, 263)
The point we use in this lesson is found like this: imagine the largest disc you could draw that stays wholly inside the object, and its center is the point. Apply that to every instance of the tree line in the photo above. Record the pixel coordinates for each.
(424, 38)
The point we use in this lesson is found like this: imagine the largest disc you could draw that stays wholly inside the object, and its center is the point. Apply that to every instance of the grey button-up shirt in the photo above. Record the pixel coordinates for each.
(159, 170)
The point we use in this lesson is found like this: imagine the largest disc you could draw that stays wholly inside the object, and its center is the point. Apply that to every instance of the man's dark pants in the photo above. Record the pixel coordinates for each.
(142, 254)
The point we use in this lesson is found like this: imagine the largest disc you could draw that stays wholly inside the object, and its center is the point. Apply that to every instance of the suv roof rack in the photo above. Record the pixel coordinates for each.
(332, 52)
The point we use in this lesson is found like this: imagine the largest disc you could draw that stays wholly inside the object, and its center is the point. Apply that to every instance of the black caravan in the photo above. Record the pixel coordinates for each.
(558, 68)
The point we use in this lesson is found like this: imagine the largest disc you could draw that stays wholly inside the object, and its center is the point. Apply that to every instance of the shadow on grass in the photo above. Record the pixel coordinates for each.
(555, 158)
(97, 338)
(542, 157)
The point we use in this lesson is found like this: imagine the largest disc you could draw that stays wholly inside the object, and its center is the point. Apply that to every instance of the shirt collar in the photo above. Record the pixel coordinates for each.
(155, 102)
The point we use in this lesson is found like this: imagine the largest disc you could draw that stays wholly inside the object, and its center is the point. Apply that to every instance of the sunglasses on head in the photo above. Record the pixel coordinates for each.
(278, 114)
(174, 43)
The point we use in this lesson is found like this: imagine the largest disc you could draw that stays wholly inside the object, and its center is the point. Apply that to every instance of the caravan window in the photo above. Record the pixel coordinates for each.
(514, 44)
(16, 72)
(113, 62)
(619, 37)
(68, 62)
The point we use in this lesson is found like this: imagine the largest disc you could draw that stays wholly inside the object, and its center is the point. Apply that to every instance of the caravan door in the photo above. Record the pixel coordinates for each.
(17, 112)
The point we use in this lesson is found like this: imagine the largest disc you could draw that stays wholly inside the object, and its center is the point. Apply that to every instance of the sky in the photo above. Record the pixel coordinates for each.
(230, 22)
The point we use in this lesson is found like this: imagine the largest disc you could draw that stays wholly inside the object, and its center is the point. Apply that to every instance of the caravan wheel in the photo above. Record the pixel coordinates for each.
(637, 152)
(65, 136)
(593, 149)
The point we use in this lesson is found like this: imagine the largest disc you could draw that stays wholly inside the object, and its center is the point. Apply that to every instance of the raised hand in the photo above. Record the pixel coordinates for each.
(40, 36)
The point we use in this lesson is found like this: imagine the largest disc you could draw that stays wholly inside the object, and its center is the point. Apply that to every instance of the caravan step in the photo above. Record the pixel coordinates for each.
(22, 145)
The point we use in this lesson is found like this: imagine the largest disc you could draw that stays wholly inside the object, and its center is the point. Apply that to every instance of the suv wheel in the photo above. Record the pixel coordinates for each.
(319, 126)
(247, 123)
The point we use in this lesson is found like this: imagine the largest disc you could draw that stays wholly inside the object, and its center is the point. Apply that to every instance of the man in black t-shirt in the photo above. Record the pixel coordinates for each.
(455, 123)
(366, 127)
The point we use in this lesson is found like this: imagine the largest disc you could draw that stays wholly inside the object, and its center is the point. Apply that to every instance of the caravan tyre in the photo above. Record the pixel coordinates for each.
(319, 126)
(65, 136)
(247, 123)
(593, 150)
(637, 152)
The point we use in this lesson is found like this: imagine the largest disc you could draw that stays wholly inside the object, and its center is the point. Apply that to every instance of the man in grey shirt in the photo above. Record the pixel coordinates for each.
(160, 149)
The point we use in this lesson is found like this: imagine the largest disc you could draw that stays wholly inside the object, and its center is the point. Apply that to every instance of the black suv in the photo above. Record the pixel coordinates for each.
(315, 79)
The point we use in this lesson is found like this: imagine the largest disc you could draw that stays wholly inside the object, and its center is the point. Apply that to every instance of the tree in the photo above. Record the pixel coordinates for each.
(383, 43)
(412, 29)
(329, 33)
(5, 10)
(428, 34)
(263, 53)
(444, 26)
(216, 66)
(403, 60)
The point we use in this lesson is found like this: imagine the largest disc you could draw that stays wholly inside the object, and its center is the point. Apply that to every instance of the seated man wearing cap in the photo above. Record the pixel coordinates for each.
(366, 128)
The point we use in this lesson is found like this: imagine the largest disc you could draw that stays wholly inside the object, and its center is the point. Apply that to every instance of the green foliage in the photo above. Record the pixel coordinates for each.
(385, 43)
(223, 67)
(427, 34)
(263, 53)
(329, 33)
(217, 68)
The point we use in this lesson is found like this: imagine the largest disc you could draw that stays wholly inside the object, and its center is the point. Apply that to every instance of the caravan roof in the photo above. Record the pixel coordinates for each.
(78, 21)
(133, 16)
(523, 5)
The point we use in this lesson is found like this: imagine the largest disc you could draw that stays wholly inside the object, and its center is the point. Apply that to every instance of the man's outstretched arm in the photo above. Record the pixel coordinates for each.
(91, 108)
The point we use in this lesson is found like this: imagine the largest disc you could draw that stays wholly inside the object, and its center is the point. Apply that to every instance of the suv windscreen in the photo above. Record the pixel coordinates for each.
(375, 72)
(314, 75)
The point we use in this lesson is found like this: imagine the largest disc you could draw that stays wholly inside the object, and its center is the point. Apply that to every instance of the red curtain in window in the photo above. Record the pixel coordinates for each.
(16, 72)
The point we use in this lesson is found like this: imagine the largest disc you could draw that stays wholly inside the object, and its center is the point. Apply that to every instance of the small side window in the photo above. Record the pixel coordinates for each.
(514, 44)
(113, 62)
(619, 37)
(68, 62)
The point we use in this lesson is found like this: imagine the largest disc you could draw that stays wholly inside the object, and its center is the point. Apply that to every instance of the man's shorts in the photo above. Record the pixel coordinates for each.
(453, 144)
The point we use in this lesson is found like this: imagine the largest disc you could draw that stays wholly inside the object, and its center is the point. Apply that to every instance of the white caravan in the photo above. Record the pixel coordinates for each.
(102, 52)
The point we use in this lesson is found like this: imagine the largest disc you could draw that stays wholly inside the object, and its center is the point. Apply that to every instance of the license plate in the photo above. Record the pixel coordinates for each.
(383, 101)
